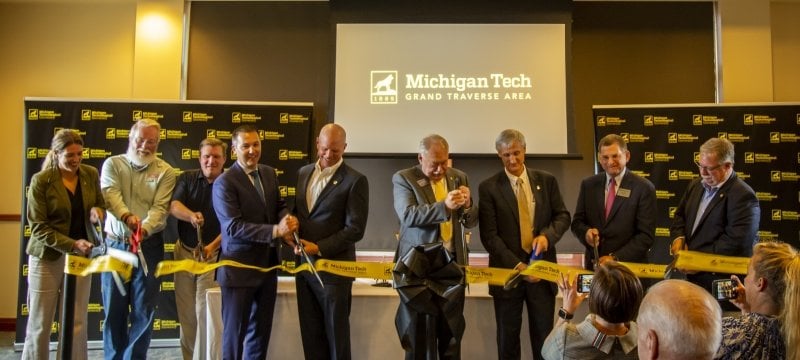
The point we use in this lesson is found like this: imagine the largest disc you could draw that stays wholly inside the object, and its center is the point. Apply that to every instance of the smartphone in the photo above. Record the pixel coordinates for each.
(723, 289)
(584, 282)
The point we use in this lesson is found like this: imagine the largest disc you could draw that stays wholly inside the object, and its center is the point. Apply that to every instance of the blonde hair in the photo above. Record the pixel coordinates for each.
(61, 140)
(779, 263)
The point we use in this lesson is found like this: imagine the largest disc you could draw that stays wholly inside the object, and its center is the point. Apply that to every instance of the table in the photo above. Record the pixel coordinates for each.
(373, 334)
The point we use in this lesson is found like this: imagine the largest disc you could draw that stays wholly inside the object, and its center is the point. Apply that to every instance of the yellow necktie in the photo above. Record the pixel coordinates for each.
(525, 226)
(445, 228)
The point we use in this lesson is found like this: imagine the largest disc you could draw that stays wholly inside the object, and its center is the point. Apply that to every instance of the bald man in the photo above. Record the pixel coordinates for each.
(331, 206)
(678, 320)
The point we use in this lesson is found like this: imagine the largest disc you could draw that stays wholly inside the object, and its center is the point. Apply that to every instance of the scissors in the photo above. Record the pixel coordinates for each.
(100, 249)
(308, 258)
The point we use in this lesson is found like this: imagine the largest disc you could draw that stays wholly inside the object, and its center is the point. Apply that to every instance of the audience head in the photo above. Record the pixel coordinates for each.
(715, 161)
(66, 151)
(615, 294)
(434, 156)
(510, 146)
(613, 154)
(678, 320)
(143, 141)
(771, 287)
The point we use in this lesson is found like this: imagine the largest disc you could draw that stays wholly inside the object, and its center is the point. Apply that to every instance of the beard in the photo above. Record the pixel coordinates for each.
(138, 159)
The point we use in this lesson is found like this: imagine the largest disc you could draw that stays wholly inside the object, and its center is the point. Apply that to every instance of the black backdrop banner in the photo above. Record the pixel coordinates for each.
(284, 129)
(664, 140)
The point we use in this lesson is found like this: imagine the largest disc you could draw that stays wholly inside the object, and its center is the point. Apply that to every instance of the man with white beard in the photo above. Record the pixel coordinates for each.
(137, 187)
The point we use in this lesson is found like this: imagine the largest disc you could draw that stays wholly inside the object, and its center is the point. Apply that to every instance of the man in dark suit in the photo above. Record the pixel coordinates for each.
(331, 205)
(718, 213)
(616, 209)
(430, 199)
(512, 239)
(254, 221)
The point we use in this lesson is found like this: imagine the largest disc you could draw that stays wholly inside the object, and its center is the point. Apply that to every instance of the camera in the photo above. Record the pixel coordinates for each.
(584, 282)
(723, 289)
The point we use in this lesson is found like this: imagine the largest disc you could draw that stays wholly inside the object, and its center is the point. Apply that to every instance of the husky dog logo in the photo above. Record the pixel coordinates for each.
(383, 87)
(386, 85)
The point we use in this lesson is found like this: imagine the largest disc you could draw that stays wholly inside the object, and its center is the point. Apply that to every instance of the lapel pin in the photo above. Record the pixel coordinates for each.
(335, 182)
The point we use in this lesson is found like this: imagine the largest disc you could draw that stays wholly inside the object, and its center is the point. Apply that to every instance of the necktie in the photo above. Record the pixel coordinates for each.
(612, 193)
(525, 226)
(257, 184)
(445, 228)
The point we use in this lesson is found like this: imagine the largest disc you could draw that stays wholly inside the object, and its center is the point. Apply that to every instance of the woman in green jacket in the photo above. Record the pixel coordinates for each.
(64, 199)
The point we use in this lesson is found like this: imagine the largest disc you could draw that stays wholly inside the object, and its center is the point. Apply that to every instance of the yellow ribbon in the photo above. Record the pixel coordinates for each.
(697, 261)
(81, 266)
(648, 271)
(544, 270)
(550, 271)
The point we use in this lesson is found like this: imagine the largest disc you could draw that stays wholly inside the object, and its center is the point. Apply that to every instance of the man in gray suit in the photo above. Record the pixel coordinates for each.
(331, 205)
(430, 199)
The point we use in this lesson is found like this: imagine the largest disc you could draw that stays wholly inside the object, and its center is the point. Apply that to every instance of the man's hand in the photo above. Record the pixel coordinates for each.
(604, 259)
(456, 199)
(593, 237)
(96, 215)
(287, 226)
(540, 245)
(82, 247)
(133, 222)
(197, 219)
(678, 244)
(310, 248)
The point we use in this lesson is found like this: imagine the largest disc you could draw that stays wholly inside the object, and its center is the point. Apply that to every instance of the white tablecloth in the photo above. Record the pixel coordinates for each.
(373, 334)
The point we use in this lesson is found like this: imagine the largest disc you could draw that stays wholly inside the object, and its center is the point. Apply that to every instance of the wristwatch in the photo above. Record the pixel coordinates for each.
(564, 314)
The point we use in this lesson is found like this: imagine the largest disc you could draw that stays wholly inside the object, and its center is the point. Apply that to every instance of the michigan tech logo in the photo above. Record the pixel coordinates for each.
(383, 87)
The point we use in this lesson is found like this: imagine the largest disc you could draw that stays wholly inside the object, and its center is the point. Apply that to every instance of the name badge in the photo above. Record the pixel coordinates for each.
(624, 192)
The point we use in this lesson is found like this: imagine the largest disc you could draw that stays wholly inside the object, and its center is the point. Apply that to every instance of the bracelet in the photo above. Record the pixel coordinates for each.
(564, 314)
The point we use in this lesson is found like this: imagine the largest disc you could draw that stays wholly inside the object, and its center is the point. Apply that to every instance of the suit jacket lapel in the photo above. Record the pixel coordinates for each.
(535, 186)
(599, 200)
(335, 180)
(718, 196)
(424, 184)
(625, 183)
(508, 194)
(695, 195)
(301, 201)
(88, 199)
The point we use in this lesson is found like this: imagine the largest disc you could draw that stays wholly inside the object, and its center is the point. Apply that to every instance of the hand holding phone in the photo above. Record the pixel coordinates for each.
(584, 283)
(723, 289)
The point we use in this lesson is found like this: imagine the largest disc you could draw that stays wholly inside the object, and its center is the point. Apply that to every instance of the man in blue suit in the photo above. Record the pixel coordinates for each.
(522, 214)
(331, 205)
(254, 222)
(616, 209)
(718, 214)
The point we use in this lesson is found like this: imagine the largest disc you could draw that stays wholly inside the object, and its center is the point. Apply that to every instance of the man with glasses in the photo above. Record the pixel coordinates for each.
(137, 187)
(718, 214)
(430, 199)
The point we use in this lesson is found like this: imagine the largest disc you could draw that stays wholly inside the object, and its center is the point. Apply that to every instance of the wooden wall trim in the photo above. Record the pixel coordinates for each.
(10, 217)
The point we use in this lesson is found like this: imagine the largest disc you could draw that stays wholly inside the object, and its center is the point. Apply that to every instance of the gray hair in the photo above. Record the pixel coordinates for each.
(720, 147)
(433, 139)
(508, 137)
(141, 124)
(612, 139)
(685, 318)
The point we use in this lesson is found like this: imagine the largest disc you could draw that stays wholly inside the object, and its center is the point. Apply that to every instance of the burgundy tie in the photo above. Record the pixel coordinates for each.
(612, 193)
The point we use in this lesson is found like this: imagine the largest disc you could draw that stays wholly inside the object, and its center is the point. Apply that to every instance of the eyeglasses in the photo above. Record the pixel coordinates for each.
(707, 168)
(150, 142)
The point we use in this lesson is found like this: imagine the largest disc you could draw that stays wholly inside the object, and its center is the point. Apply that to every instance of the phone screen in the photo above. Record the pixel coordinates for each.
(584, 282)
(723, 289)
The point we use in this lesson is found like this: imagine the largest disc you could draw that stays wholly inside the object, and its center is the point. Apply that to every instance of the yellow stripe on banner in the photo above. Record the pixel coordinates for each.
(167, 267)
(550, 271)
(697, 261)
(494, 276)
(81, 266)
(648, 271)
(354, 269)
